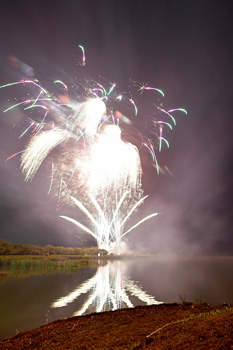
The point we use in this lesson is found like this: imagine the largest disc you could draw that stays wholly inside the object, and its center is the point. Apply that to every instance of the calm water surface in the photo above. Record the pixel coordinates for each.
(29, 302)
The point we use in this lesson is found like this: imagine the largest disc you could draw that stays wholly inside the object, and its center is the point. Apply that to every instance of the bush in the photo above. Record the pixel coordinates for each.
(7, 248)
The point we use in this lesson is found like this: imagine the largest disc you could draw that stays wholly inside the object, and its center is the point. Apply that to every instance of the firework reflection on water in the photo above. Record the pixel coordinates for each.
(109, 289)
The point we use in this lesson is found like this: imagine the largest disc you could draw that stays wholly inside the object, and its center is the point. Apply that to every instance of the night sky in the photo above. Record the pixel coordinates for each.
(182, 47)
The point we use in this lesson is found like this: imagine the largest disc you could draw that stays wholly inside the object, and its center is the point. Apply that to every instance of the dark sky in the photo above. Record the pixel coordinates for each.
(182, 47)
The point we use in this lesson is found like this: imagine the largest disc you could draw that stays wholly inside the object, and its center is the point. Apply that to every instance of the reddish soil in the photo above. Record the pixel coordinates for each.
(166, 326)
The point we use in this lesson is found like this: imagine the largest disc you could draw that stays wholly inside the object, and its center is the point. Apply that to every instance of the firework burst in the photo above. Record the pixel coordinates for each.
(97, 136)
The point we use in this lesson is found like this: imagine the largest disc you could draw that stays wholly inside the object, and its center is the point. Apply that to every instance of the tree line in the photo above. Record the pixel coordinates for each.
(8, 248)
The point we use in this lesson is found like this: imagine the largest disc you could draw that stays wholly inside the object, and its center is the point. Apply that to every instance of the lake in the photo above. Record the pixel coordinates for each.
(29, 302)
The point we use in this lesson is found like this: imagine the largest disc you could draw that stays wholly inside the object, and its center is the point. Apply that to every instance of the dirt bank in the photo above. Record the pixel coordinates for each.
(166, 326)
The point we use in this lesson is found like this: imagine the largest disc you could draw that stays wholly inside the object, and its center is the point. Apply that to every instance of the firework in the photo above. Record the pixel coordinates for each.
(108, 180)
(94, 139)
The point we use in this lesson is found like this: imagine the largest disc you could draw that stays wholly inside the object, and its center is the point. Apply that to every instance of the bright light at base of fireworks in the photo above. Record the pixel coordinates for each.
(108, 230)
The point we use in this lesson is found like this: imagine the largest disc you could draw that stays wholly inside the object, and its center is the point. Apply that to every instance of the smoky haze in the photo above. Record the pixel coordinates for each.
(180, 47)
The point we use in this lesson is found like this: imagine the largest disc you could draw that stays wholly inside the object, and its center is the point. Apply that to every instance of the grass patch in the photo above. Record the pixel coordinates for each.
(20, 266)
